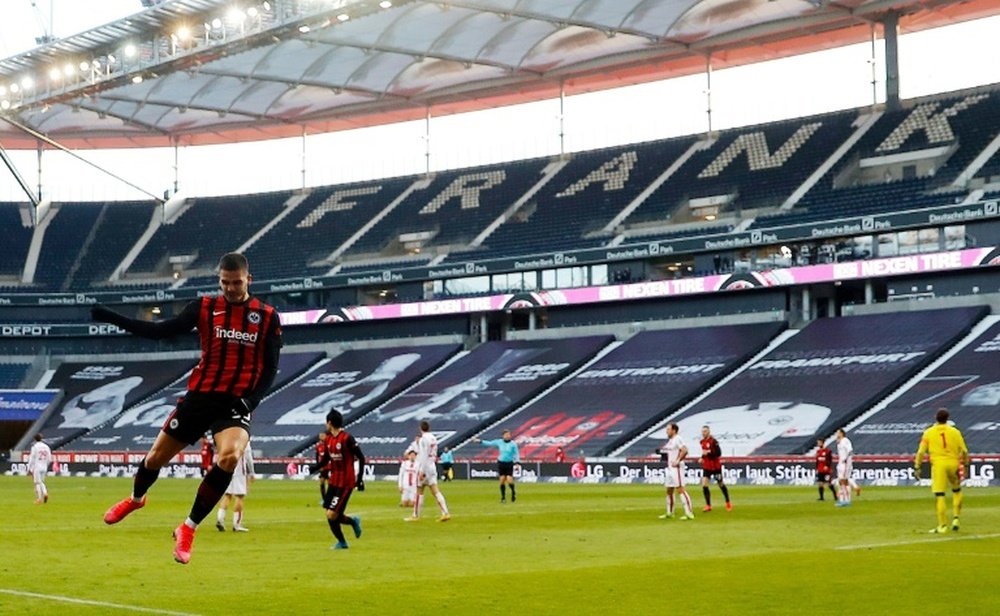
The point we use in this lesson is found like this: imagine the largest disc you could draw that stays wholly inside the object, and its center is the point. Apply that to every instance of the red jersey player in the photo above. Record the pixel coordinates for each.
(824, 468)
(341, 453)
(240, 346)
(711, 468)
(324, 469)
(207, 454)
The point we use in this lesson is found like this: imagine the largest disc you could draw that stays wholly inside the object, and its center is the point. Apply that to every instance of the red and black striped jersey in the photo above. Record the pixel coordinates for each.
(343, 451)
(711, 455)
(321, 453)
(240, 343)
(233, 340)
(824, 460)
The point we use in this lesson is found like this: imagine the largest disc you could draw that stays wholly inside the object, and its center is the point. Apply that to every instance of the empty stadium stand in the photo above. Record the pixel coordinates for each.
(118, 228)
(466, 396)
(624, 392)
(967, 383)
(205, 230)
(135, 427)
(95, 392)
(12, 375)
(453, 209)
(318, 226)
(353, 382)
(817, 381)
(17, 237)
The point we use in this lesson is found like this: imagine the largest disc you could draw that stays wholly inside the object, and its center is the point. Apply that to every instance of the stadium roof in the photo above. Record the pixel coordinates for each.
(199, 72)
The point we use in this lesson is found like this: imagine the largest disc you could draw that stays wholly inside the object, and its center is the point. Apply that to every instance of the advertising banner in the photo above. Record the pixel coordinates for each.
(816, 381)
(788, 471)
(137, 427)
(967, 384)
(649, 376)
(353, 382)
(95, 393)
(473, 391)
(25, 404)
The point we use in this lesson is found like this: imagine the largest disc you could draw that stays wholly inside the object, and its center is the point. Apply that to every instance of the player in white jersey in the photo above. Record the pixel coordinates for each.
(845, 466)
(427, 473)
(407, 481)
(38, 466)
(675, 451)
(236, 492)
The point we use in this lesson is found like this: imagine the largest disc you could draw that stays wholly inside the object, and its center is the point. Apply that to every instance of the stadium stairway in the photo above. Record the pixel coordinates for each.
(419, 184)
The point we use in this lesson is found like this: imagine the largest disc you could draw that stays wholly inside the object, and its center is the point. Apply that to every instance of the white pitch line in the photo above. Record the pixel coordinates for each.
(132, 608)
(867, 546)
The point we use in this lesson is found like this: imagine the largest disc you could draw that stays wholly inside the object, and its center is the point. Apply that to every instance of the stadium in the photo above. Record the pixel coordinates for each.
(775, 281)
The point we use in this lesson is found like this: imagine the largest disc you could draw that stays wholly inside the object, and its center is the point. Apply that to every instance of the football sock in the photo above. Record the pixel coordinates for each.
(708, 495)
(670, 504)
(513, 494)
(821, 492)
(237, 519)
(335, 529)
(503, 491)
(725, 491)
(441, 503)
(417, 504)
(143, 480)
(209, 492)
(686, 500)
(220, 517)
(956, 502)
(942, 509)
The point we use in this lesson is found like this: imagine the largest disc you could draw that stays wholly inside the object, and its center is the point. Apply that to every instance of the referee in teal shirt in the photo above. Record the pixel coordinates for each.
(505, 463)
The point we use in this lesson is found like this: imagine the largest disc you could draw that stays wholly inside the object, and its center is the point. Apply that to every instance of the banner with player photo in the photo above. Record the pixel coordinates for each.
(354, 382)
(816, 381)
(649, 376)
(94, 393)
(137, 427)
(967, 384)
(474, 391)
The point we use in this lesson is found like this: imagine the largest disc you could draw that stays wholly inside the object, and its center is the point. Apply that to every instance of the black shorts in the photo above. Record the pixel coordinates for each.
(324, 474)
(336, 499)
(710, 475)
(822, 477)
(198, 413)
(505, 468)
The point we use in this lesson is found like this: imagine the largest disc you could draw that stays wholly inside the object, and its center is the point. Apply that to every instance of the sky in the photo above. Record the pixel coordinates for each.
(933, 61)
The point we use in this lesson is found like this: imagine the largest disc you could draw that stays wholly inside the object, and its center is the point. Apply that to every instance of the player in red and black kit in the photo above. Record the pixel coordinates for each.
(324, 469)
(824, 468)
(240, 345)
(711, 468)
(207, 455)
(340, 454)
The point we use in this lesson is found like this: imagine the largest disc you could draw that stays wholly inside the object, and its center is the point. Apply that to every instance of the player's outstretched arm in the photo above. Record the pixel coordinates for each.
(155, 330)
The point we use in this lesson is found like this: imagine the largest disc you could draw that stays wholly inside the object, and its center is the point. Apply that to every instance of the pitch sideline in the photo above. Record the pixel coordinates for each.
(132, 608)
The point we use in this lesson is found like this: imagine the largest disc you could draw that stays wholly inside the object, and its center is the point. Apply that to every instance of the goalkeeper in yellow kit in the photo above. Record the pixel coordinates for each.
(949, 455)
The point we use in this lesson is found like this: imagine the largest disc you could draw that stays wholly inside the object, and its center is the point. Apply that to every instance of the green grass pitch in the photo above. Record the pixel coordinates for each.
(561, 549)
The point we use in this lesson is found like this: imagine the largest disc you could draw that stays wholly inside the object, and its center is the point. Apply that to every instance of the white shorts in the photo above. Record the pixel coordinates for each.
(430, 479)
(237, 486)
(844, 470)
(39, 475)
(674, 477)
(408, 494)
